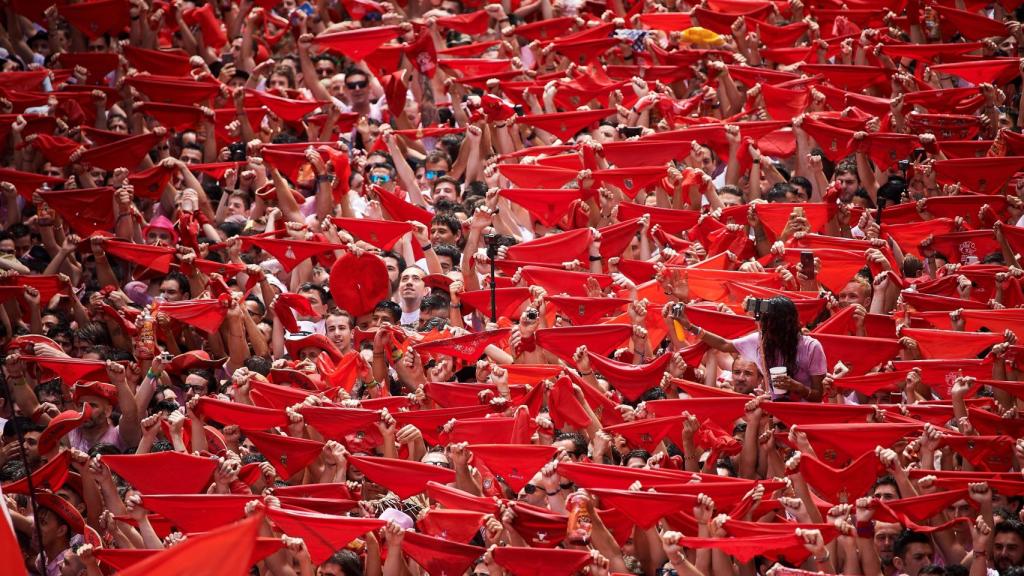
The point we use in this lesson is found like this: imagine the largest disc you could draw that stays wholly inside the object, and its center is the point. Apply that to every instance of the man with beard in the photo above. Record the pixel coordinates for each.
(1008, 545)
(884, 538)
(102, 397)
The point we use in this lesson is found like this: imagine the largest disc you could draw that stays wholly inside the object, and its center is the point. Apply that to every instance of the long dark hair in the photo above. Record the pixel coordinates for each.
(780, 334)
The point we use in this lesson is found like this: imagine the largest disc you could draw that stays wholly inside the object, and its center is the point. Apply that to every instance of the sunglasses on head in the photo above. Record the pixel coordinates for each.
(357, 85)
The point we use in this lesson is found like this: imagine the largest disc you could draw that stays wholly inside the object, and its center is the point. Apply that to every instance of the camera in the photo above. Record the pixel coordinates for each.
(630, 131)
(236, 152)
(677, 309)
(532, 314)
(756, 306)
(498, 240)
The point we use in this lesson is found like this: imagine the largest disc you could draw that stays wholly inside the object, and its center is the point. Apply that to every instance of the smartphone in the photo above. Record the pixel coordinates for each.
(807, 263)
(307, 8)
(228, 58)
(798, 212)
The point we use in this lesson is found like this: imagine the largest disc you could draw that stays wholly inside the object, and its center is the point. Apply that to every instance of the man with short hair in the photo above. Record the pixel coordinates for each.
(1008, 545)
(911, 552)
(411, 291)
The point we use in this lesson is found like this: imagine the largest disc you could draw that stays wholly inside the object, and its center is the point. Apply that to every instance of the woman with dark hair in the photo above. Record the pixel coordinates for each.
(780, 341)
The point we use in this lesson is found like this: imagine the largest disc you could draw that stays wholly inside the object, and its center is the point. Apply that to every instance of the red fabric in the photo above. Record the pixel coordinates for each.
(564, 125)
(60, 425)
(359, 282)
(940, 344)
(248, 417)
(841, 485)
(554, 249)
(51, 475)
(724, 411)
(473, 23)
(516, 465)
(455, 499)
(978, 174)
(174, 89)
(630, 380)
(438, 555)
(940, 374)
(966, 247)
(163, 472)
(468, 347)
(290, 253)
(746, 548)
(546, 205)
(26, 182)
(205, 314)
(802, 413)
(649, 432)
(970, 25)
(507, 301)
(199, 512)
(97, 17)
(631, 180)
(149, 257)
(673, 221)
(871, 383)
(556, 281)
(545, 29)
(564, 407)
(585, 309)
(531, 561)
(286, 109)
(71, 370)
(338, 423)
(323, 533)
(422, 54)
(984, 452)
(288, 455)
(85, 210)
(150, 183)
(287, 304)
(615, 238)
(172, 62)
(356, 44)
(909, 236)
(177, 117)
(404, 478)
(211, 27)
(400, 210)
(631, 153)
(533, 176)
(383, 234)
(451, 525)
(835, 143)
(56, 149)
(836, 443)
(600, 339)
(860, 354)
(539, 527)
(232, 546)
(645, 509)
(126, 153)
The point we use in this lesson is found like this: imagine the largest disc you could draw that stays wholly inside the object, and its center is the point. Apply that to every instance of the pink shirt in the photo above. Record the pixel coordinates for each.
(810, 357)
(76, 439)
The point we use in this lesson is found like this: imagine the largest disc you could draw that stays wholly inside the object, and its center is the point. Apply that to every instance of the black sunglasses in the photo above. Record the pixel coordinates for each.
(357, 85)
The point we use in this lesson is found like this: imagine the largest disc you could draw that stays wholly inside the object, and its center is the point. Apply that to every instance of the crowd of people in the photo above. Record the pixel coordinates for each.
(537, 287)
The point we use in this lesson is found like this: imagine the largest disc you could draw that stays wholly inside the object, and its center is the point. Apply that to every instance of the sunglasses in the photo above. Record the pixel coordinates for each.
(380, 178)
(440, 464)
(529, 488)
(434, 174)
(358, 85)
